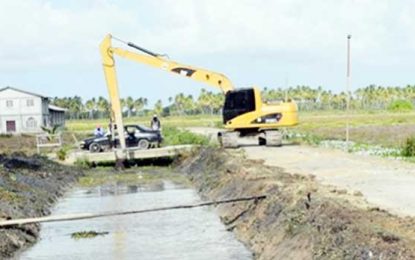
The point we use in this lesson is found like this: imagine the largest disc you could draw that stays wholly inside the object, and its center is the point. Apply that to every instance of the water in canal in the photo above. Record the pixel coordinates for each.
(179, 234)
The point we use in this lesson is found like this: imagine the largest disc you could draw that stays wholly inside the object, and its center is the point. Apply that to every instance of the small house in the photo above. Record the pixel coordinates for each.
(26, 112)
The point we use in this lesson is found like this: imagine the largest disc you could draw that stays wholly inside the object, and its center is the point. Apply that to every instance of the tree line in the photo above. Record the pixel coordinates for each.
(307, 98)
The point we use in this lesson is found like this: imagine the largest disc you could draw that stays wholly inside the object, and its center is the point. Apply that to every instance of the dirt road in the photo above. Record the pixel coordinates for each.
(386, 183)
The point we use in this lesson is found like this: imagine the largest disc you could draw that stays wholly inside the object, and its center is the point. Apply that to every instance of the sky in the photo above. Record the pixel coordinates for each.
(51, 47)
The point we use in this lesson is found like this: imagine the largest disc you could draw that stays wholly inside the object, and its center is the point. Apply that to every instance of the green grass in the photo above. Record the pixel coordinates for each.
(401, 106)
(377, 127)
(308, 120)
(175, 136)
(408, 149)
(99, 178)
(334, 119)
(9, 196)
(171, 121)
(147, 175)
(383, 128)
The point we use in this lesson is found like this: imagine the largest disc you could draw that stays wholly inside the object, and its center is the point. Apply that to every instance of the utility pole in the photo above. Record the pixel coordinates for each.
(286, 88)
(348, 74)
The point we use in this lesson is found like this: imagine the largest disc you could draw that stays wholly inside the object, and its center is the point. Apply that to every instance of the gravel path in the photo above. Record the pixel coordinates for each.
(386, 183)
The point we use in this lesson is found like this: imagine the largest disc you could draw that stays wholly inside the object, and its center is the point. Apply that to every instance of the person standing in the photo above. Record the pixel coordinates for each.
(155, 123)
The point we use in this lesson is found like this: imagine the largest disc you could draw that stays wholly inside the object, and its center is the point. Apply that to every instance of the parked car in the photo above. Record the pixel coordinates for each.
(135, 136)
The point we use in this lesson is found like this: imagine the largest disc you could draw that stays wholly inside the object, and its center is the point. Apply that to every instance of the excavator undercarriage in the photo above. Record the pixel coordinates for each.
(230, 139)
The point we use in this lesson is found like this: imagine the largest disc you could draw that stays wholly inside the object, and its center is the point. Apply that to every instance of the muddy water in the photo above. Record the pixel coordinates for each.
(180, 234)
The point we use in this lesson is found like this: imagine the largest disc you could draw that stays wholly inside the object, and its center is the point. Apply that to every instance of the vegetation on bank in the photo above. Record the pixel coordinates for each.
(146, 176)
(176, 136)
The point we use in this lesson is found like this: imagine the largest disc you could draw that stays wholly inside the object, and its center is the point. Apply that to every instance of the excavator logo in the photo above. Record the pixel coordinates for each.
(183, 71)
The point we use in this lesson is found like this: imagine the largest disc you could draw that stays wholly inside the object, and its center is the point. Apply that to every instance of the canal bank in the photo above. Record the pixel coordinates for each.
(299, 219)
(29, 187)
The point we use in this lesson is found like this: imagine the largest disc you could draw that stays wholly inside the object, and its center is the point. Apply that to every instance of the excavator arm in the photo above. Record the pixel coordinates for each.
(159, 61)
(154, 60)
(209, 77)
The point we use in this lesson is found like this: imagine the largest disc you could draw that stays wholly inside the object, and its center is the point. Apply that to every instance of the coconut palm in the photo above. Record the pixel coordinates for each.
(158, 107)
(103, 106)
(91, 106)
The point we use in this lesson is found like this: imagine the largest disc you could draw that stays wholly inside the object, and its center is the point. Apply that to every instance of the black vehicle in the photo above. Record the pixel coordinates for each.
(136, 136)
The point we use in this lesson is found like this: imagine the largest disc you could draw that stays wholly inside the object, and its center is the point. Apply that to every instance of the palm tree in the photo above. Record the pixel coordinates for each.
(179, 103)
(204, 101)
(91, 106)
(139, 104)
(75, 106)
(158, 107)
(103, 106)
(129, 104)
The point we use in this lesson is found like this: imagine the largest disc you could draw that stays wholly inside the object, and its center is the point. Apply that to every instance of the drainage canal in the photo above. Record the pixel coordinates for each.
(180, 234)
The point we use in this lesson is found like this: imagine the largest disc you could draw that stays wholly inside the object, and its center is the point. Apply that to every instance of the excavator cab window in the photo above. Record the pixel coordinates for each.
(238, 102)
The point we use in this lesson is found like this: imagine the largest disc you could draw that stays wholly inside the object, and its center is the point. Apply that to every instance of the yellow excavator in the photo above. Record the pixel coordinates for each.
(244, 112)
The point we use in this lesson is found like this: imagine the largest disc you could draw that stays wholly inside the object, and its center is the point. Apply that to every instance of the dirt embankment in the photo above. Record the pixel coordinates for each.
(28, 188)
(300, 219)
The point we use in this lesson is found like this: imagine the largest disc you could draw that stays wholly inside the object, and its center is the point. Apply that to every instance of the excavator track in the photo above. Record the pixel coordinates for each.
(273, 138)
(228, 139)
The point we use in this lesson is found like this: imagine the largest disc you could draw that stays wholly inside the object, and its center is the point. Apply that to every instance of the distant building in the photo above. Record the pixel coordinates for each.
(25, 112)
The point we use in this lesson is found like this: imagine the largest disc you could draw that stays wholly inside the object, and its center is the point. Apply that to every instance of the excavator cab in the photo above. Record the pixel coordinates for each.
(238, 102)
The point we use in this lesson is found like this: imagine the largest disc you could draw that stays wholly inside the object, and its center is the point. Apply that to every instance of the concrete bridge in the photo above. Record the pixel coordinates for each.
(130, 154)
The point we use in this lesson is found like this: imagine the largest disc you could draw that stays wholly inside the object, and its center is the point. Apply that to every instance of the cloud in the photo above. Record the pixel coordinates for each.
(41, 33)
(35, 33)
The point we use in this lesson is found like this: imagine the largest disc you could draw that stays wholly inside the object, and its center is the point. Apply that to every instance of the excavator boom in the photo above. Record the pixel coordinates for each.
(154, 60)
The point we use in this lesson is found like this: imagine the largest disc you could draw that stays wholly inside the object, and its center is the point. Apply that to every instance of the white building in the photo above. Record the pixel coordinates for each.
(25, 112)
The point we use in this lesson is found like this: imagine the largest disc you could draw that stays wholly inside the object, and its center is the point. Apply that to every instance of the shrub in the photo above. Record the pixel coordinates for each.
(62, 153)
(83, 163)
(218, 124)
(175, 136)
(408, 149)
(400, 106)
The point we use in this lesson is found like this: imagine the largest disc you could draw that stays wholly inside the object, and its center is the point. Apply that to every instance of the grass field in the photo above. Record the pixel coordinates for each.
(377, 128)
(368, 127)
(172, 121)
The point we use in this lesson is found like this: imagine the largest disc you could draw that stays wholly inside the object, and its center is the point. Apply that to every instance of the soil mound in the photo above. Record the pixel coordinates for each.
(299, 219)
(28, 188)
